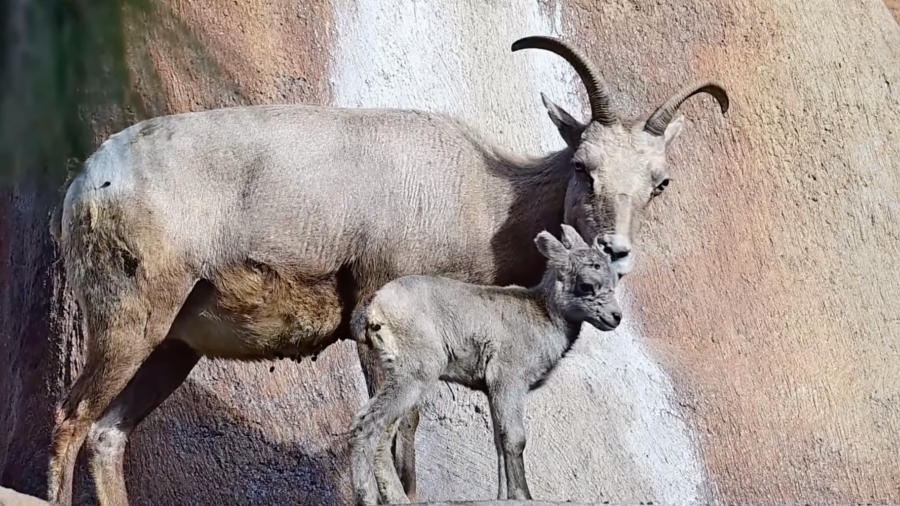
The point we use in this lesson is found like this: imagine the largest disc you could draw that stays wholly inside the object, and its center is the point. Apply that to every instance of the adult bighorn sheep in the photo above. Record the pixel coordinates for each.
(503, 341)
(252, 232)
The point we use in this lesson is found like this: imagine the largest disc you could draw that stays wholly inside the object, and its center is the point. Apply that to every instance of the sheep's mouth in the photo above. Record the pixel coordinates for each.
(623, 266)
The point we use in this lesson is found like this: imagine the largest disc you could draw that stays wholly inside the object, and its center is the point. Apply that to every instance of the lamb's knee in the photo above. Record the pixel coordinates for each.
(363, 437)
(514, 443)
(361, 424)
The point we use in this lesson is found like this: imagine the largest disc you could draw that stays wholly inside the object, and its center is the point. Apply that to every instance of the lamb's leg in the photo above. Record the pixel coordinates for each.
(507, 410)
(390, 486)
(395, 398)
(123, 329)
(163, 372)
(404, 450)
(501, 462)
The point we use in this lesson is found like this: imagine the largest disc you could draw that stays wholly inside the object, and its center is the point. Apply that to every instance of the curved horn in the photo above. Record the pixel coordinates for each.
(661, 117)
(598, 93)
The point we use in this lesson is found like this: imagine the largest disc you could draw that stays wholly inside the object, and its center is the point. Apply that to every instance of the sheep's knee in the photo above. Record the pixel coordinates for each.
(105, 443)
(106, 453)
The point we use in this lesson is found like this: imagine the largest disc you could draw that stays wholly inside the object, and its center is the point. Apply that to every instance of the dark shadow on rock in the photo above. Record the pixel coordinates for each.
(198, 450)
(37, 332)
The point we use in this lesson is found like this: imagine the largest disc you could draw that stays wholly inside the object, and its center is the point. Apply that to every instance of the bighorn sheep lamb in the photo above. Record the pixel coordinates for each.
(252, 232)
(503, 341)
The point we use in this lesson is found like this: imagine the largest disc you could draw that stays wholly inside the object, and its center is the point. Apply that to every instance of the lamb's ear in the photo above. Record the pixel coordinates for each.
(571, 239)
(556, 253)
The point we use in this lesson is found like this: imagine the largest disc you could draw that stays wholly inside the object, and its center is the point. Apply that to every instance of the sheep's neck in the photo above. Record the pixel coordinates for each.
(539, 192)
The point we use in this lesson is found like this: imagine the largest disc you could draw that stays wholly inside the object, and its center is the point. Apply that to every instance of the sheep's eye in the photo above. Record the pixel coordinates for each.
(579, 166)
(660, 187)
(585, 288)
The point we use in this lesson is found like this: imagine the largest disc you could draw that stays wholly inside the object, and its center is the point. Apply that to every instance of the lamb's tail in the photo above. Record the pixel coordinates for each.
(359, 322)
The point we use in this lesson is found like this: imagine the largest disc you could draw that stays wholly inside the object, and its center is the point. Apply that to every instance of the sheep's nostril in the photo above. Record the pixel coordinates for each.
(617, 247)
(617, 317)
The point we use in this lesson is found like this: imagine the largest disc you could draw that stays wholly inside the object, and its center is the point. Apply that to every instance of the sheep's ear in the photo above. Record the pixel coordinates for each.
(553, 250)
(569, 128)
(673, 130)
(571, 239)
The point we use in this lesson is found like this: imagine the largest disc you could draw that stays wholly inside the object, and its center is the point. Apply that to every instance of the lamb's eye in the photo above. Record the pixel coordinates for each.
(660, 187)
(579, 166)
(585, 288)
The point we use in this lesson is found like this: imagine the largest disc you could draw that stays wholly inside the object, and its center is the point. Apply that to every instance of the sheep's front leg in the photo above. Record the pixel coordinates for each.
(508, 413)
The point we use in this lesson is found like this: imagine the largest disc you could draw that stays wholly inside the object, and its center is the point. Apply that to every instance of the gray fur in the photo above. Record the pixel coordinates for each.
(503, 341)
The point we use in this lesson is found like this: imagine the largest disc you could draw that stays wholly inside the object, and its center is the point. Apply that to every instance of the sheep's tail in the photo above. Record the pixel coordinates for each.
(359, 322)
(56, 213)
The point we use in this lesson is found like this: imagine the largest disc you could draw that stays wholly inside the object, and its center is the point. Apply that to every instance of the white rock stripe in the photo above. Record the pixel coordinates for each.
(605, 427)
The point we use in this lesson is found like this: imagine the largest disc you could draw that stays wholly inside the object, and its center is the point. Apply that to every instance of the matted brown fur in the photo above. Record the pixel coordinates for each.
(273, 311)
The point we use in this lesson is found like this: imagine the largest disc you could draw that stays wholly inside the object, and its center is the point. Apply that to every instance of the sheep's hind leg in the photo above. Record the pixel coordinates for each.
(394, 400)
(163, 372)
(123, 329)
